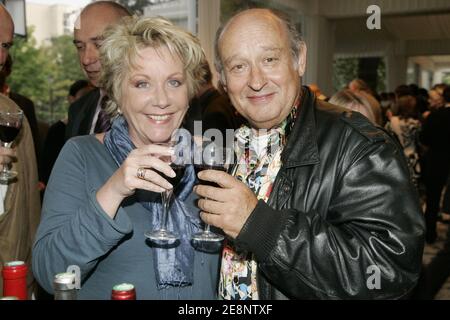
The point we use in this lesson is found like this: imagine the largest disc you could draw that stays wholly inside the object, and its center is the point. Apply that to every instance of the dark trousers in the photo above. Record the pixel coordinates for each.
(434, 183)
(446, 201)
(435, 274)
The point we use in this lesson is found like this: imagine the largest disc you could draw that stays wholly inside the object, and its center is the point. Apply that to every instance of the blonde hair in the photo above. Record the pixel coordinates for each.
(122, 41)
(353, 101)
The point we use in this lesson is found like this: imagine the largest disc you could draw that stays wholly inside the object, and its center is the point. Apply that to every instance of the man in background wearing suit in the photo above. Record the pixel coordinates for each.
(19, 199)
(86, 115)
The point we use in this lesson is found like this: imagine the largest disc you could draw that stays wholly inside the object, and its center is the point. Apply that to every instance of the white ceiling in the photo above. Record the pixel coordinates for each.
(420, 27)
(412, 35)
(417, 27)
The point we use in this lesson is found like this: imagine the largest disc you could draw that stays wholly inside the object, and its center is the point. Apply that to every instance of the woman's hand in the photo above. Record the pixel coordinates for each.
(125, 180)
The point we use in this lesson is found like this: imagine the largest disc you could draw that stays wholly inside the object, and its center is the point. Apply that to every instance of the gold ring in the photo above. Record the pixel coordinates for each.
(141, 173)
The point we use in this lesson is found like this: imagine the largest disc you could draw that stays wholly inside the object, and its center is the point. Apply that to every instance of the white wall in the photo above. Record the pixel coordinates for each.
(47, 20)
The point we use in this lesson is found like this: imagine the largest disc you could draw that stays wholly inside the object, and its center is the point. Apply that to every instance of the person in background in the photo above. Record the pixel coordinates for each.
(388, 105)
(319, 195)
(353, 101)
(77, 90)
(422, 103)
(362, 88)
(446, 199)
(212, 108)
(435, 135)
(19, 200)
(102, 195)
(438, 270)
(316, 90)
(24, 103)
(87, 115)
(435, 100)
(406, 127)
(55, 137)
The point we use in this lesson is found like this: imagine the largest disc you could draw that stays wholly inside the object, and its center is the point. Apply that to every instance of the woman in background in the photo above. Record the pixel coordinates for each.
(353, 101)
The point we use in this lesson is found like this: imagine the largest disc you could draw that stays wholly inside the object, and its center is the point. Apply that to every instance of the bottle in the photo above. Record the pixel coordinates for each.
(64, 286)
(14, 275)
(123, 291)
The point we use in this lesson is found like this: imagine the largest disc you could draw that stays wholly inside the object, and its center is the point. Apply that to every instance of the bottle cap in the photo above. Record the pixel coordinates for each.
(123, 287)
(123, 291)
(64, 278)
(14, 263)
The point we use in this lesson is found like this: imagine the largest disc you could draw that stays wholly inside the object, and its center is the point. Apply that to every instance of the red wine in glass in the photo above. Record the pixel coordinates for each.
(10, 124)
(214, 157)
(201, 167)
(8, 133)
(162, 235)
(179, 171)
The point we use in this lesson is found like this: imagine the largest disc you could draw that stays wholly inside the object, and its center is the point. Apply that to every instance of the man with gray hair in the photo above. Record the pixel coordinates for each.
(320, 204)
(86, 115)
(19, 199)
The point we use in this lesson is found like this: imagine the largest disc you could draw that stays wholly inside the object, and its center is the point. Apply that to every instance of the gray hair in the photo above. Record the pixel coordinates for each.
(295, 39)
(123, 40)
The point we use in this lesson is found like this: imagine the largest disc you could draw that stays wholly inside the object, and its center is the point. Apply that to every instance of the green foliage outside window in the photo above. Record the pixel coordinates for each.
(446, 79)
(44, 74)
(346, 69)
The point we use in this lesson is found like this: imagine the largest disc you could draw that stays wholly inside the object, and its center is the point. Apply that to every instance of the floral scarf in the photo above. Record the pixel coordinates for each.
(257, 167)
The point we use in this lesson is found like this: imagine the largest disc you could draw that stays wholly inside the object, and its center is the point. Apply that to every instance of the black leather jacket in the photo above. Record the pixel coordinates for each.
(342, 202)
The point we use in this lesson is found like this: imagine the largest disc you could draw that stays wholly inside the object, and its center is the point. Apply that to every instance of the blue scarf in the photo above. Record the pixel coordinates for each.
(173, 266)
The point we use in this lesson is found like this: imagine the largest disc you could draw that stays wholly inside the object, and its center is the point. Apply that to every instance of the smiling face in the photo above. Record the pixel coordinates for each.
(260, 75)
(154, 96)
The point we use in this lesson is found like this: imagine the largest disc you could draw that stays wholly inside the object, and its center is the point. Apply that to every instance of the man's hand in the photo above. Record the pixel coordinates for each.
(227, 207)
(7, 155)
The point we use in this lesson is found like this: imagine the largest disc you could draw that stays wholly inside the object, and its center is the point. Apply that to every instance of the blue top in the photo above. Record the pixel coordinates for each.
(74, 230)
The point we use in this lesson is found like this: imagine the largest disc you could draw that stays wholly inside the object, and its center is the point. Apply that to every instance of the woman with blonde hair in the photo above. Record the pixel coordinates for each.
(103, 196)
(353, 101)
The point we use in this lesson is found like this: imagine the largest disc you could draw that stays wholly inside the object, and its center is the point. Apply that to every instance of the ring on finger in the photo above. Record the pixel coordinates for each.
(140, 173)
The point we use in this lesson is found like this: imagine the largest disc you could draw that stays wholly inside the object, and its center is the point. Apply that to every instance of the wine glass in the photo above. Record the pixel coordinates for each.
(213, 157)
(10, 124)
(178, 165)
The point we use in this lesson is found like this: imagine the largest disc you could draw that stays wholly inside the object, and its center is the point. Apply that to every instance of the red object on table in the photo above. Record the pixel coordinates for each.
(123, 291)
(14, 275)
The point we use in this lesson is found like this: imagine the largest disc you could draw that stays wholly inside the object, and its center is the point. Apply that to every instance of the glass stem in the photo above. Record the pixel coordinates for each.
(166, 196)
(5, 169)
(207, 226)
